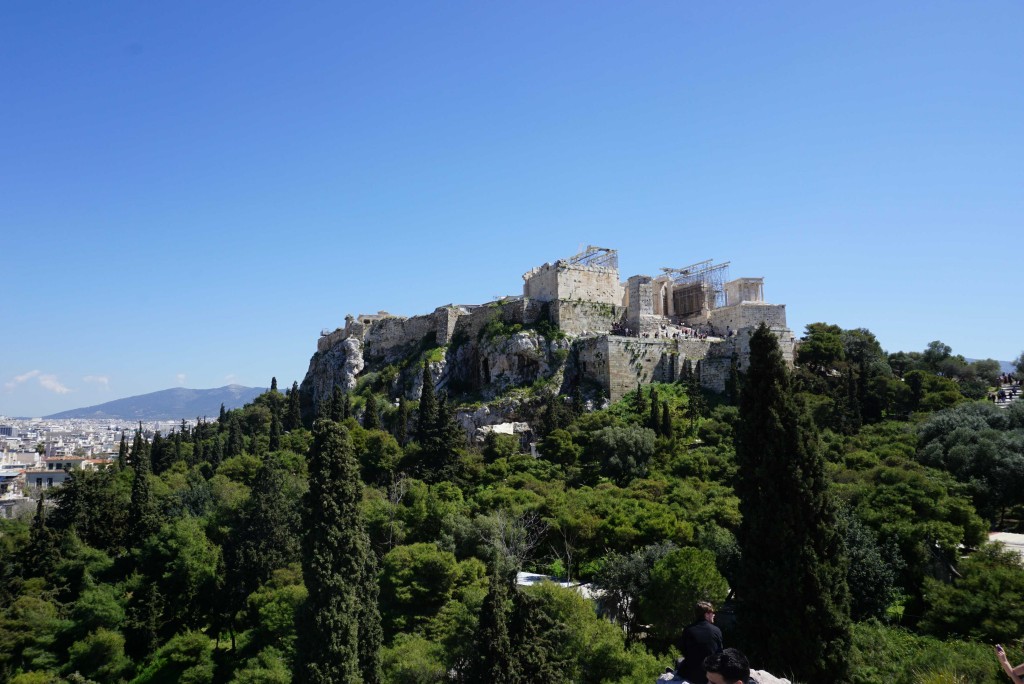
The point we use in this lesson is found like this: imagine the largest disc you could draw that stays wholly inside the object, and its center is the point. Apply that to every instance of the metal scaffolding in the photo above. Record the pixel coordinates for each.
(704, 277)
(599, 257)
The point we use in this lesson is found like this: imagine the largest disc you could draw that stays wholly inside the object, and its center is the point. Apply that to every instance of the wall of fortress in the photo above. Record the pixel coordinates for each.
(573, 282)
(577, 318)
(748, 315)
(619, 363)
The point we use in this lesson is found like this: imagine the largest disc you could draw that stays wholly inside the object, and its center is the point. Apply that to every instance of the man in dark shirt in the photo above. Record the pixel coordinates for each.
(700, 640)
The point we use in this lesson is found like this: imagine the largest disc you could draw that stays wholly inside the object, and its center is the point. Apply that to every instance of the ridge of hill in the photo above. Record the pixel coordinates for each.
(168, 404)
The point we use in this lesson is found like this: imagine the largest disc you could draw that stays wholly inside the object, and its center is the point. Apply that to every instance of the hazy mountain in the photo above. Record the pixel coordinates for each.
(169, 404)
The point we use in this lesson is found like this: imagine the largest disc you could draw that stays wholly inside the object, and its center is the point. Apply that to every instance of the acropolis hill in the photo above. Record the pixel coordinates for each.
(576, 323)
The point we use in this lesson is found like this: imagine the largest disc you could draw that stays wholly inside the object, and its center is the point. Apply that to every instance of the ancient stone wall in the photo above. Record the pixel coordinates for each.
(541, 283)
(447, 317)
(748, 315)
(578, 318)
(590, 284)
(640, 313)
(329, 340)
(563, 281)
(619, 363)
(390, 339)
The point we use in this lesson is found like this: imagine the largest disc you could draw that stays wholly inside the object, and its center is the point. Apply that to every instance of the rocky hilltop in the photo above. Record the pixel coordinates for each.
(576, 325)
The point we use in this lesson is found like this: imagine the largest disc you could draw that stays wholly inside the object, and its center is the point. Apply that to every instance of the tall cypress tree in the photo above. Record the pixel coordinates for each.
(732, 384)
(42, 552)
(371, 415)
(401, 427)
(428, 406)
(337, 412)
(795, 607)
(654, 421)
(666, 421)
(640, 400)
(275, 432)
(236, 442)
(143, 517)
(293, 414)
(494, 662)
(122, 452)
(337, 634)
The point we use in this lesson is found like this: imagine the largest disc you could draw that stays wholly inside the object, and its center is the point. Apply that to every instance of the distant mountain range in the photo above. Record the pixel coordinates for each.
(169, 404)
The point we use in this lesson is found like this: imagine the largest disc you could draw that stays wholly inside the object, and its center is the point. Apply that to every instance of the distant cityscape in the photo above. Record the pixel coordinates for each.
(40, 453)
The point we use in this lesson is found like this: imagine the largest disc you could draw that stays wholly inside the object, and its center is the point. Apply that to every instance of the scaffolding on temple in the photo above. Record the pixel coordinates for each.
(599, 257)
(704, 277)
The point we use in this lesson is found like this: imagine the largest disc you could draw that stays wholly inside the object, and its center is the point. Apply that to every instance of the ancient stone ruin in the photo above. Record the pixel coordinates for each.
(575, 322)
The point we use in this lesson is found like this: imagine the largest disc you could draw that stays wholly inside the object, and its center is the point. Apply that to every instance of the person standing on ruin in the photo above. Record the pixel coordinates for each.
(700, 640)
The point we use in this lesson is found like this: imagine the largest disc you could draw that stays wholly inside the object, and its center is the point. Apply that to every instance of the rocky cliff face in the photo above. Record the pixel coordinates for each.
(481, 366)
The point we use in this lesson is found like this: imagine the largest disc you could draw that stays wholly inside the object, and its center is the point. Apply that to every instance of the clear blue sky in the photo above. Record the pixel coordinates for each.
(190, 192)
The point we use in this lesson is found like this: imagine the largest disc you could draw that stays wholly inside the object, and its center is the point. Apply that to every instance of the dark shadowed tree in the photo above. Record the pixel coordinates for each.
(401, 424)
(371, 414)
(293, 414)
(122, 451)
(337, 405)
(340, 621)
(275, 432)
(427, 418)
(143, 517)
(795, 605)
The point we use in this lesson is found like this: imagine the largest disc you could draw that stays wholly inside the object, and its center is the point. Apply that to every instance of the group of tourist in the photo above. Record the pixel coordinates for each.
(705, 661)
(1004, 395)
(664, 331)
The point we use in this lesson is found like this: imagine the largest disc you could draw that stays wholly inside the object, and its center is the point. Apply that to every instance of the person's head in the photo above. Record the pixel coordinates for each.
(728, 667)
(704, 611)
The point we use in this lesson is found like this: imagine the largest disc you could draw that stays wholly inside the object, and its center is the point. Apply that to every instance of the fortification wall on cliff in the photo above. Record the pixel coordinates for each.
(748, 315)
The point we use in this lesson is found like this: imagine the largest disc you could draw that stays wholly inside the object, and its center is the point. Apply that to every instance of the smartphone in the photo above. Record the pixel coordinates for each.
(999, 648)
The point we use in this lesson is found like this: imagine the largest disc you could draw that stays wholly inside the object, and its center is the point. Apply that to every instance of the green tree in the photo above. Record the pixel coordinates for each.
(625, 581)
(623, 451)
(401, 422)
(415, 582)
(983, 603)
(821, 347)
(371, 413)
(100, 656)
(275, 432)
(293, 414)
(935, 354)
(680, 579)
(267, 537)
(341, 616)
(792, 581)
(427, 418)
(640, 401)
(143, 515)
(666, 421)
(122, 452)
(494, 660)
(43, 552)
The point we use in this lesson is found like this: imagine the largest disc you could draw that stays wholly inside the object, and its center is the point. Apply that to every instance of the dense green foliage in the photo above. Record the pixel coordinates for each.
(252, 549)
(792, 581)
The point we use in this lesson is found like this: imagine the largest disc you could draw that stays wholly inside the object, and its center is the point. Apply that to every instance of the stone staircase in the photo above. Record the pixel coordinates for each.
(1012, 393)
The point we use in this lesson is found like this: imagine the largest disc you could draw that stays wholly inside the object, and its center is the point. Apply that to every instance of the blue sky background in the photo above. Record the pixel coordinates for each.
(190, 192)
